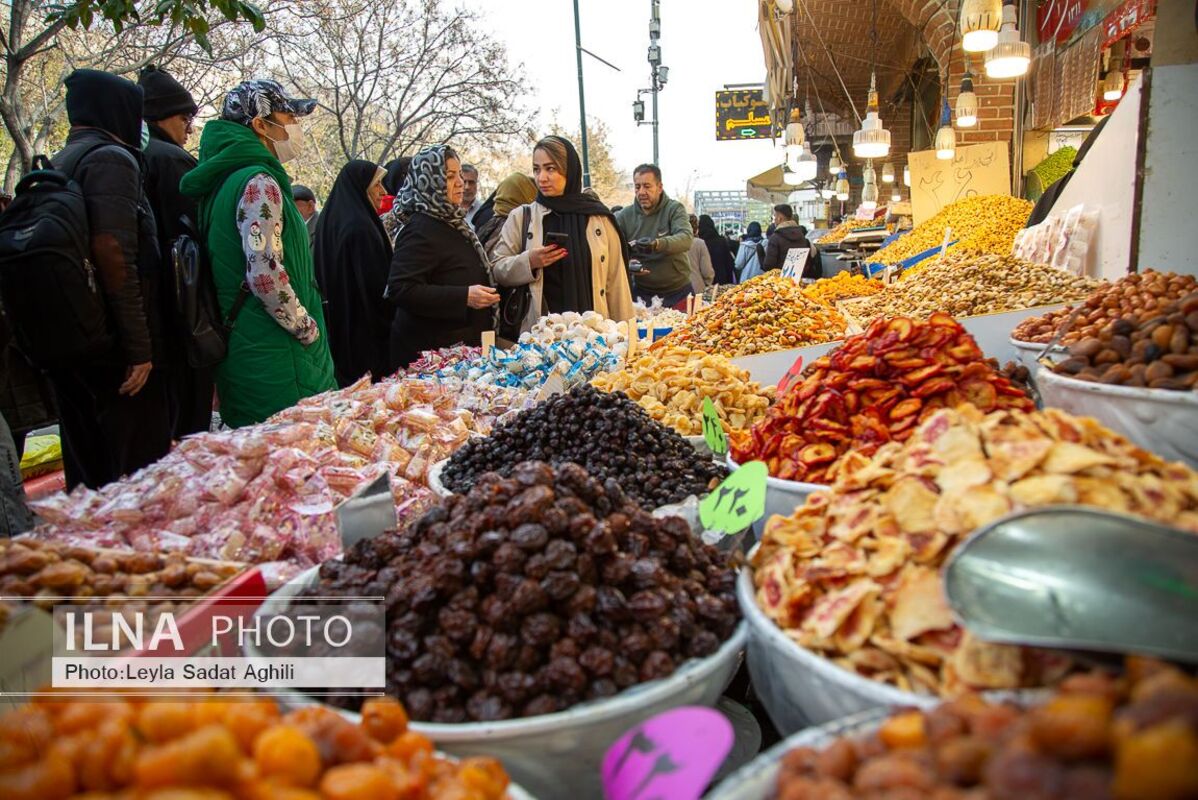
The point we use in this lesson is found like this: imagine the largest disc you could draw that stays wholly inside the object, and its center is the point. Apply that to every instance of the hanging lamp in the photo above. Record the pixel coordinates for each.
(869, 194)
(790, 177)
(806, 166)
(946, 137)
(1112, 85)
(842, 185)
(896, 196)
(906, 175)
(887, 173)
(967, 104)
(1011, 56)
(835, 165)
(872, 141)
(980, 23)
(796, 137)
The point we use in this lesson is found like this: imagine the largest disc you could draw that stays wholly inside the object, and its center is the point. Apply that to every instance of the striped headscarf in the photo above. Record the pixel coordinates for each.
(426, 190)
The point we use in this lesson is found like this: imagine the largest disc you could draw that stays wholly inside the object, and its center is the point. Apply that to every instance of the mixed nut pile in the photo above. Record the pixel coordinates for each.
(536, 592)
(769, 312)
(873, 389)
(984, 224)
(1157, 350)
(965, 285)
(1138, 295)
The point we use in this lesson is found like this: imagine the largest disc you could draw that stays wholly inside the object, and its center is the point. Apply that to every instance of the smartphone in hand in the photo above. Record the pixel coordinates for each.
(562, 240)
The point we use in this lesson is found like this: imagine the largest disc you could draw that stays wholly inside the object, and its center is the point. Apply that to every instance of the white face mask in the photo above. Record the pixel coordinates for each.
(289, 148)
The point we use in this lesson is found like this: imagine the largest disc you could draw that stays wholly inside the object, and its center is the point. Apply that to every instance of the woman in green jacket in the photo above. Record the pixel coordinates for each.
(258, 246)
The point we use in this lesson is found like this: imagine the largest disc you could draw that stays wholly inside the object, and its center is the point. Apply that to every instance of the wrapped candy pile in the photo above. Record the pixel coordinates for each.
(854, 574)
(433, 361)
(657, 316)
(575, 346)
(265, 494)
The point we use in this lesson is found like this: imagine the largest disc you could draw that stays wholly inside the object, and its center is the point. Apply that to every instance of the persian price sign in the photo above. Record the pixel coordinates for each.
(976, 169)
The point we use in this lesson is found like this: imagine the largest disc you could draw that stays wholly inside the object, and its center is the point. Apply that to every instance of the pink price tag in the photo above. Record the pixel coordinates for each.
(796, 369)
(672, 756)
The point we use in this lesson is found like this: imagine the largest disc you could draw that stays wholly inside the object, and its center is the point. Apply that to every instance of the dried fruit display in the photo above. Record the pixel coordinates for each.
(211, 749)
(1099, 737)
(608, 434)
(769, 312)
(966, 285)
(1049, 171)
(1140, 295)
(265, 494)
(854, 574)
(670, 385)
(875, 388)
(534, 593)
(983, 224)
(842, 230)
(841, 286)
(1158, 351)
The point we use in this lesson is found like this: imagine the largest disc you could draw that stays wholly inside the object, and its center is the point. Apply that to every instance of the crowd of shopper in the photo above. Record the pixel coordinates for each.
(402, 257)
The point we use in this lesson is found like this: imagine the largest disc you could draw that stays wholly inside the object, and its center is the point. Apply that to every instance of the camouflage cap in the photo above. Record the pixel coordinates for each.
(249, 100)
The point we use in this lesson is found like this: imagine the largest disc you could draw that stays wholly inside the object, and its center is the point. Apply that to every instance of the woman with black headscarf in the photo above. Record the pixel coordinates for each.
(351, 255)
(565, 246)
(439, 282)
(389, 213)
(717, 246)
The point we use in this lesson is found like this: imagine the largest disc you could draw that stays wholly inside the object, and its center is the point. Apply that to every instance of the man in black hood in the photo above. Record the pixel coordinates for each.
(113, 409)
(787, 236)
(169, 111)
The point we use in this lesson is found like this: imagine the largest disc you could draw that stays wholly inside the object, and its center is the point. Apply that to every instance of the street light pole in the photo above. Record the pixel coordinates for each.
(582, 102)
(654, 35)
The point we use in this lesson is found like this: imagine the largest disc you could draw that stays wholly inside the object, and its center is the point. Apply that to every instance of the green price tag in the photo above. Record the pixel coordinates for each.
(738, 502)
(713, 431)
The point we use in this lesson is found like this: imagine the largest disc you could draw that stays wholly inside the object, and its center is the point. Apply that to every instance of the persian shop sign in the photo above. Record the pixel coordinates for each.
(742, 114)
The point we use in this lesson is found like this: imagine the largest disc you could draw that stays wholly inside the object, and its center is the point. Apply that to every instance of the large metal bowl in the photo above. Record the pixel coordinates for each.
(781, 497)
(549, 753)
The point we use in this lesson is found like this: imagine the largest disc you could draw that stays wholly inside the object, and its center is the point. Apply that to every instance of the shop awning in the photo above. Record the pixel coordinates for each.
(768, 187)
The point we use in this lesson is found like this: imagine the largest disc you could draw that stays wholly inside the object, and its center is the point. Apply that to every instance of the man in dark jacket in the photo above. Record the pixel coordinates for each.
(787, 236)
(169, 111)
(661, 236)
(114, 410)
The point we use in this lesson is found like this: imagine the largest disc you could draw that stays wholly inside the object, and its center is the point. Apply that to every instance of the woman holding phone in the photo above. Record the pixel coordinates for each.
(564, 246)
(438, 284)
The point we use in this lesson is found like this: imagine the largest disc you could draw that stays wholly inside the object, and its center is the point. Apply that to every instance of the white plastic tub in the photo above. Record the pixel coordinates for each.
(800, 688)
(1163, 421)
(1027, 353)
(758, 779)
(781, 497)
(434, 479)
(550, 753)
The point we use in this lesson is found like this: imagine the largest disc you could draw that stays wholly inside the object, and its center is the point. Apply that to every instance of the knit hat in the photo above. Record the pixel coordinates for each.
(164, 96)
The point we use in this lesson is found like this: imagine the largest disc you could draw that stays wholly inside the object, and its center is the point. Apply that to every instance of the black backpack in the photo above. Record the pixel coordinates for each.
(48, 284)
(514, 301)
(197, 309)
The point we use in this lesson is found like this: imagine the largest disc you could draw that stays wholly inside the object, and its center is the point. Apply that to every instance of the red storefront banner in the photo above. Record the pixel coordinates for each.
(1057, 19)
(1125, 19)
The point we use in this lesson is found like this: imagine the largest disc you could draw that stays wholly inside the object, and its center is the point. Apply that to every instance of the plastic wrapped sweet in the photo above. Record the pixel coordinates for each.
(267, 494)
(575, 347)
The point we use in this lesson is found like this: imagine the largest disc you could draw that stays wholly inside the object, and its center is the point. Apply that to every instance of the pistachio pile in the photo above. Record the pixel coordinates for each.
(965, 285)
(985, 224)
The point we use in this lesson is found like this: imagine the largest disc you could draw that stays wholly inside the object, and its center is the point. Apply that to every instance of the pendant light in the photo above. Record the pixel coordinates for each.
(980, 23)
(796, 137)
(1112, 85)
(790, 177)
(896, 197)
(806, 166)
(967, 104)
(887, 173)
(869, 195)
(946, 137)
(872, 141)
(842, 185)
(1011, 56)
(906, 175)
(835, 165)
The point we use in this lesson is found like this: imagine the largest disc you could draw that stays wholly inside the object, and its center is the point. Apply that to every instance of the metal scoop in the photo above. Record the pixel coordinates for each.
(1077, 578)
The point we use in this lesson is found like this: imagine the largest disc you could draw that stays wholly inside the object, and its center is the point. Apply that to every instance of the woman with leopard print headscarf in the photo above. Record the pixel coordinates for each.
(440, 281)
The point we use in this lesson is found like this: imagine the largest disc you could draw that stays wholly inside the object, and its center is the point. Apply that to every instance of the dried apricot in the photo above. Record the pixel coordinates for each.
(384, 719)
(162, 721)
(286, 754)
(355, 781)
(210, 756)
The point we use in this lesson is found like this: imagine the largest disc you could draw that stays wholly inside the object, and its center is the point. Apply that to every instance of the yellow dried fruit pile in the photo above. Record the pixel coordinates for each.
(670, 385)
(842, 285)
(842, 230)
(768, 313)
(985, 224)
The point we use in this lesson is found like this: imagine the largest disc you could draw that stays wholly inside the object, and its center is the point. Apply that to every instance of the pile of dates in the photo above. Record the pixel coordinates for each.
(1159, 352)
(874, 389)
(536, 592)
(607, 433)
